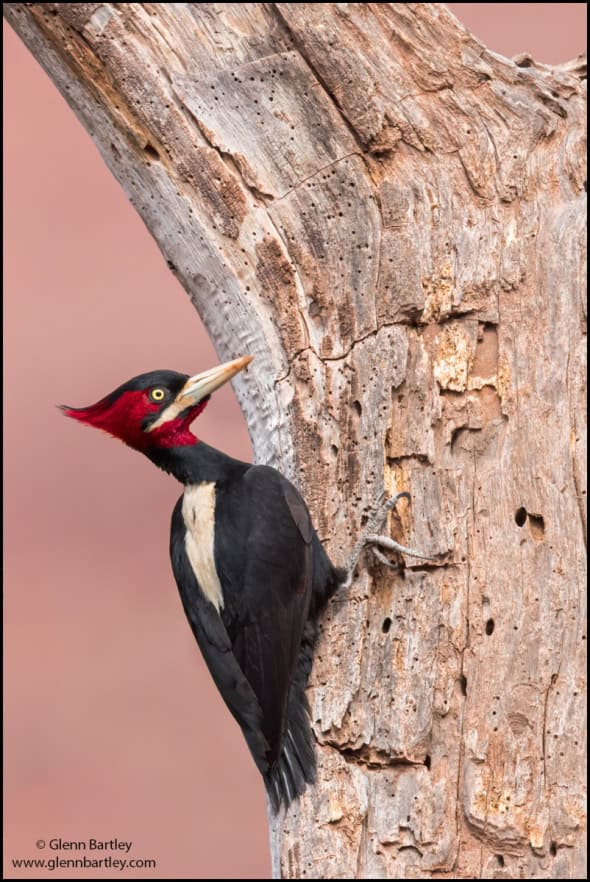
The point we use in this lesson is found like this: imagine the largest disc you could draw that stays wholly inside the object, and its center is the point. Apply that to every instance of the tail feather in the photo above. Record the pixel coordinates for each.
(295, 768)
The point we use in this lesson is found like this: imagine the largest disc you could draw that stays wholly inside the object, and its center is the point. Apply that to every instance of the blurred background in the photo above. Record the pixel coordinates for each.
(113, 726)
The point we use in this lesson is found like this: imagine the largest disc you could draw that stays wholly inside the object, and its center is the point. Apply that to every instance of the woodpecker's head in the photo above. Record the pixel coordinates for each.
(156, 409)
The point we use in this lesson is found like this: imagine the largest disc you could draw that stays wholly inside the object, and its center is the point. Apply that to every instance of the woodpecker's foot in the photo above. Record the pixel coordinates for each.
(372, 537)
(392, 545)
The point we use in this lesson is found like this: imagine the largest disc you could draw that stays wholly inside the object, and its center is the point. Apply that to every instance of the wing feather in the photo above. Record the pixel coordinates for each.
(274, 593)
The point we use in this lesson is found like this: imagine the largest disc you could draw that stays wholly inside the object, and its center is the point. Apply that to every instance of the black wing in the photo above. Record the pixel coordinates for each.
(267, 598)
(215, 646)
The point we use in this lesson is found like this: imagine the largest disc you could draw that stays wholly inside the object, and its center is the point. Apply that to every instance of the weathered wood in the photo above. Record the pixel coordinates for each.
(391, 219)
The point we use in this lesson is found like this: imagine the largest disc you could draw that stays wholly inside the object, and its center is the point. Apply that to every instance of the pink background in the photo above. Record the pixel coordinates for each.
(114, 728)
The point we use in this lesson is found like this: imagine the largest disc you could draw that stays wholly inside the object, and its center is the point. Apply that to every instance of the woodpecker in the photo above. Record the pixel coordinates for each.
(250, 568)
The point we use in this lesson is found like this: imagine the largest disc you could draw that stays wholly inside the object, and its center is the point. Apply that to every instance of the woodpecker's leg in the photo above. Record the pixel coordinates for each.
(372, 537)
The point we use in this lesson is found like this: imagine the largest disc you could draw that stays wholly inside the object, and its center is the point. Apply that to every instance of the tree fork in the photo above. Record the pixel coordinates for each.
(391, 219)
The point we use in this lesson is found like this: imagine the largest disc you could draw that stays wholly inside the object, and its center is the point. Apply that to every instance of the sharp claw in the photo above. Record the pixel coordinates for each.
(376, 521)
(392, 502)
(402, 495)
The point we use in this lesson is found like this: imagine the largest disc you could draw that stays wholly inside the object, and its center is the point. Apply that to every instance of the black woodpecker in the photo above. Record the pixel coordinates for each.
(250, 568)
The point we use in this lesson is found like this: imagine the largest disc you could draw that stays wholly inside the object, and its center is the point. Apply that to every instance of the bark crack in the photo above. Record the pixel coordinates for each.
(578, 490)
(371, 758)
(363, 838)
(552, 683)
(544, 732)
(258, 196)
(464, 698)
(326, 358)
(318, 172)
(303, 53)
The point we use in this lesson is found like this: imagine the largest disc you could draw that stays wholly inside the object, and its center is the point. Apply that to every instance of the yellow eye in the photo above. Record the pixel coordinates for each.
(157, 394)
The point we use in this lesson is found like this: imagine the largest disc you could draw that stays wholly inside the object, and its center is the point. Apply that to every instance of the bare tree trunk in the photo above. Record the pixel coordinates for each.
(390, 218)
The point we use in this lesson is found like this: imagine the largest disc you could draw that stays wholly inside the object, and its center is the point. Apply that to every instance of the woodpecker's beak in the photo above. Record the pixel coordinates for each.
(202, 385)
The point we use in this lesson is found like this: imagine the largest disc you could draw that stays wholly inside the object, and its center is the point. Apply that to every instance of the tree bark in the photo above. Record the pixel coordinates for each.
(391, 219)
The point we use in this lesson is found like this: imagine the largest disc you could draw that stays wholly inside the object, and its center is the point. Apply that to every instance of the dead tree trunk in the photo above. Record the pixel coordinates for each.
(390, 218)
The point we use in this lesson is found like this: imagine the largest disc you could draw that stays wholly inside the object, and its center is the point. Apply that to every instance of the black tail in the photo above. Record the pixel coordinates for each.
(295, 767)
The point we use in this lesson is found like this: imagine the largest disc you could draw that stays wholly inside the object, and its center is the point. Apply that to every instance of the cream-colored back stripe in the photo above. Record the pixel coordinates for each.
(198, 511)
